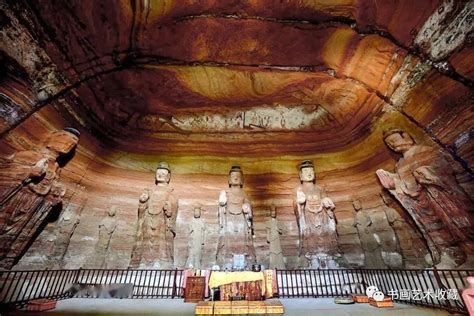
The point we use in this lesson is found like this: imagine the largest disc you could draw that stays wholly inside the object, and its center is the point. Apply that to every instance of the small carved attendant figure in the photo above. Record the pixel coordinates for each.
(196, 239)
(29, 189)
(377, 238)
(106, 228)
(411, 243)
(157, 212)
(137, 251)
(64, 230)
(316, 221)
(274, 230)
(367, 236)
(236, 226)
(424, 183)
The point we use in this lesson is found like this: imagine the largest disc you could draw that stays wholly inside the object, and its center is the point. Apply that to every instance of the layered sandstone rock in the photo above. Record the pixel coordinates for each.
(209, 84)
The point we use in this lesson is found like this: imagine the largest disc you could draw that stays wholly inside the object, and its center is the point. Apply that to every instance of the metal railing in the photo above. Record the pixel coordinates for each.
(431, 288)
(19, 287)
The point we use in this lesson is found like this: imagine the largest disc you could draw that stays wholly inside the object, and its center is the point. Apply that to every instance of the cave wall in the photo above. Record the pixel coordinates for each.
(95, 182)
(366, 68)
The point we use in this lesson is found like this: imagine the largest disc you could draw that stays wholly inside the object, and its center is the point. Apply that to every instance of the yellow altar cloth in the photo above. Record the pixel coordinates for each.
(220, 278)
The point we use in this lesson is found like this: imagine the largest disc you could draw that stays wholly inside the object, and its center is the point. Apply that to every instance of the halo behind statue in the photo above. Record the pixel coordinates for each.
(72, 131)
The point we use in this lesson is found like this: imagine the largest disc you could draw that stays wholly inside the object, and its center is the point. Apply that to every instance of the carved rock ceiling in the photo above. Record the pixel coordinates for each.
(229, 74)
(209, 83)
(247, 78)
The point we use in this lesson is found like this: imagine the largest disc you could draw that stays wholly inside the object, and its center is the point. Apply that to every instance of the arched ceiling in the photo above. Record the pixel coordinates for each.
(261, 83)
(235, 77)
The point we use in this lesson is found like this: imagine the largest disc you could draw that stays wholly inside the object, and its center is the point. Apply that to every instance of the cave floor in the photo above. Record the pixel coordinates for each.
(84, 306)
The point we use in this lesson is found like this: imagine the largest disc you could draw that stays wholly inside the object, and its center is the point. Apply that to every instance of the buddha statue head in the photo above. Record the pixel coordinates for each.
(398, 140)
(112, 211)
(235, 177)
(63, 142)
(58, 190)
(144, 196)
(357, 205)
(273, 210)
(307, 172)
(197, 212)
(163, 174)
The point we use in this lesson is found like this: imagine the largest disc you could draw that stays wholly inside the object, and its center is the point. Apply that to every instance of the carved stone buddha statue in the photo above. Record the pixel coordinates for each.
(157, 212)
(196, 239)
(274, 231)
(29, 189)
(318, 244)
(424, 183)
(236, 225)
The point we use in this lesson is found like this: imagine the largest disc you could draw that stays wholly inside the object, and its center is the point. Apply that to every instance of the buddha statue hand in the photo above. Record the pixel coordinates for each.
(222, 198)
(144, 196)
(38, 170)
(246, 208)
(328, 204)
(386, 179)
(300, 197)
(58, 190)
(167, 208)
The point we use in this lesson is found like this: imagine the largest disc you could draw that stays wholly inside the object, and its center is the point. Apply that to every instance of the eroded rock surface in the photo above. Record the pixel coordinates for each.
(205, 85)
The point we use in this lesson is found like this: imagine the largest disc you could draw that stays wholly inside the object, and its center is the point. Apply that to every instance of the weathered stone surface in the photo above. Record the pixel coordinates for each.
(424, 183)
(205, 85)
(107, 227)
(196, 240)
(412, 246)
(65, 228)
(437, 102)
(446, 29)
(463, 60)
(274, 230)
(235, 248)
(156, 225)
(377, 238)
(314, 211)
(29, 190)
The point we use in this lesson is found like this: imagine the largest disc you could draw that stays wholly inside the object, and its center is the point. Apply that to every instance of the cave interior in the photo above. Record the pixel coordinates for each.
(207, 85)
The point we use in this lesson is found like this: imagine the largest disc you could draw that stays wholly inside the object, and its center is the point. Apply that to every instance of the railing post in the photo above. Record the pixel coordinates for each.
(364, 283)
(78, 274)
(277, 283)
(173, 293)
(438, 279)
(296, 280)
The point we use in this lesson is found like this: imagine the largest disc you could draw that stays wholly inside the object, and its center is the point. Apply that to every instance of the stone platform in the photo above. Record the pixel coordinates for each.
(270, 307)
(175, 307)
